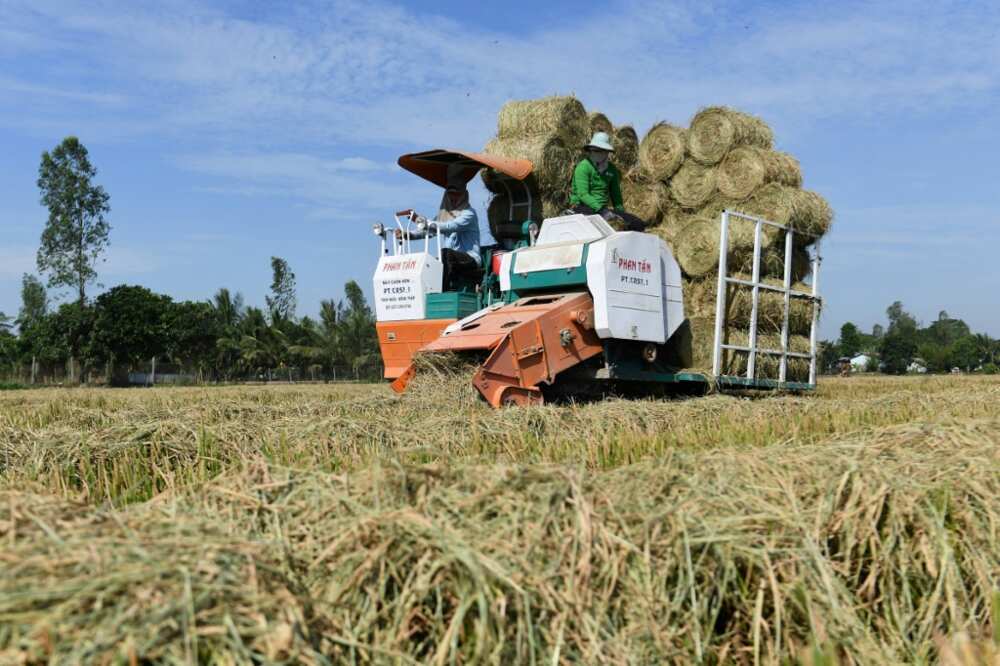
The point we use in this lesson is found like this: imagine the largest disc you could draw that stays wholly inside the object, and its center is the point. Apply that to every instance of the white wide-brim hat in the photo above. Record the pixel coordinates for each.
(601, 140)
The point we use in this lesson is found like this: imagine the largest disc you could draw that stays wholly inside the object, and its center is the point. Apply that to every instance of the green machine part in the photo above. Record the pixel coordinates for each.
(451, 305)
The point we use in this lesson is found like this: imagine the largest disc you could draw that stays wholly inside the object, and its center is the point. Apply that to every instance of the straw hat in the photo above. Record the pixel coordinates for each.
(602, 141)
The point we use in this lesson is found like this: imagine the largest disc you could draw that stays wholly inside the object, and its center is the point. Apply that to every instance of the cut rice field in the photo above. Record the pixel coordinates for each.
(343, 524)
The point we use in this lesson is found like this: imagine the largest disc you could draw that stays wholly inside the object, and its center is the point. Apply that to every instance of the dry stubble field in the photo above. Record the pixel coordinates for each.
(341, 524)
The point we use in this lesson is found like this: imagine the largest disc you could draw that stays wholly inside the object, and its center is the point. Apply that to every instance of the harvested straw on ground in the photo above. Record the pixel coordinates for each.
(747, 168)
(563, 117)
(858, 549)
(661, 151)
(644, 198)
(553, 161)
(717, 130)
(599, 123)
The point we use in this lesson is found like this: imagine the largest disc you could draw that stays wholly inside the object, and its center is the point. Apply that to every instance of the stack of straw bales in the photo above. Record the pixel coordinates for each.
(680, 180)
(550, 132)
(728, 162)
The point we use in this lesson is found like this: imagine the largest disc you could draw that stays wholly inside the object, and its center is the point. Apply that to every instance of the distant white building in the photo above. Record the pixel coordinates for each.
(860, 362)
(916, 367)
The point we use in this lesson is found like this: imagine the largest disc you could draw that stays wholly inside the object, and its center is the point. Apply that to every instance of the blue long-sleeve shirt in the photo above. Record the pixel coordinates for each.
(460, 234)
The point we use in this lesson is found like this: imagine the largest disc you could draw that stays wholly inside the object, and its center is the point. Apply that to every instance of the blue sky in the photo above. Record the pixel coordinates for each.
(229, 132)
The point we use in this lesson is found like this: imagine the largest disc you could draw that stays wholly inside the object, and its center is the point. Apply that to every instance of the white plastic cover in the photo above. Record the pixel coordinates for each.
(401, 283)
(673, 291)
(568, 228)
(625, 278)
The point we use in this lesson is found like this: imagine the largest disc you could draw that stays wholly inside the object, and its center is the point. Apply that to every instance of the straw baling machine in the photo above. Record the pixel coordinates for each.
(565, 305)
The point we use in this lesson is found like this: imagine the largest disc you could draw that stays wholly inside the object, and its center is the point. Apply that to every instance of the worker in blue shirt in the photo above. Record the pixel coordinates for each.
(458, 225)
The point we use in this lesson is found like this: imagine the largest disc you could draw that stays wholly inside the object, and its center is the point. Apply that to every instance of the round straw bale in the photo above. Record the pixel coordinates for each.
(559, 116)
(644, 198)
(746, 168)
(662, 150)
(554, 206)
(672, 219)
(772, 201)
(626, 143)
(600, 123)
(810, 213)
(693, 185)
(696, 245)
(716, 130)
(802, 210)
(553, 161)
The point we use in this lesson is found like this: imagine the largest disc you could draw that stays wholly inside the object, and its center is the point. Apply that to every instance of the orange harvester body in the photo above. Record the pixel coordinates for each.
(399, 340)
(529, 342)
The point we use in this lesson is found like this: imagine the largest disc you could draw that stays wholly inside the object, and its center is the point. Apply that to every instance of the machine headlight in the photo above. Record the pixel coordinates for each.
(378, 229)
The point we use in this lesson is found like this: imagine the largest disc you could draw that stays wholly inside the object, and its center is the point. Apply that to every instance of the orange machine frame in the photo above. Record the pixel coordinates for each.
(530, 342)
(399, 340)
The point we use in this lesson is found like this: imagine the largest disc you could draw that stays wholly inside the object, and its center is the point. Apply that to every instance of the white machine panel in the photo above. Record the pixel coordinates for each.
(548, 257)
(401, 283)
(673, 290)
(579, 228)
(625, 277)
(505, 271)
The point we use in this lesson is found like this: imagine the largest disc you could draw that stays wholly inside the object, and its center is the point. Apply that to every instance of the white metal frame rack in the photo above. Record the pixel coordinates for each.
(756, 285)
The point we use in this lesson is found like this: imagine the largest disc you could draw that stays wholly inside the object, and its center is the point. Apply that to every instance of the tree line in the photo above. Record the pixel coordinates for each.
(906, 345)
(128, 326)
(220, 339)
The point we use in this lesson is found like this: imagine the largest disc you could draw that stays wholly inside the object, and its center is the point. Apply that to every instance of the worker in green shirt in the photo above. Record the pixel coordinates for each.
(597, 185)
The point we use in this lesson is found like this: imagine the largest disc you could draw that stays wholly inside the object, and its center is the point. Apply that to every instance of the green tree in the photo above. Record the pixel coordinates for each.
(228, 307)
(357, 339)
(262, 346)
(900, 319)
(230, 311)
(34, 301)
(935, 357)
(986, 347)
(964, 354)
(850, 339)
(281, 302)
(829, 355)
(897, 349)
(76, 233)
(193, 332)
(67, 332)
(5, 323)
(945, 331)
(131, 325)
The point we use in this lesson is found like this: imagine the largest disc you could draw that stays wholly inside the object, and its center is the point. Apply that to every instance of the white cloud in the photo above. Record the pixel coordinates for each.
(339, 71)
(345, 189)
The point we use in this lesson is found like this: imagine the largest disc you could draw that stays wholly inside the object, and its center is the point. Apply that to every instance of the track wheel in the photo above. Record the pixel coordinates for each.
(519, 397)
